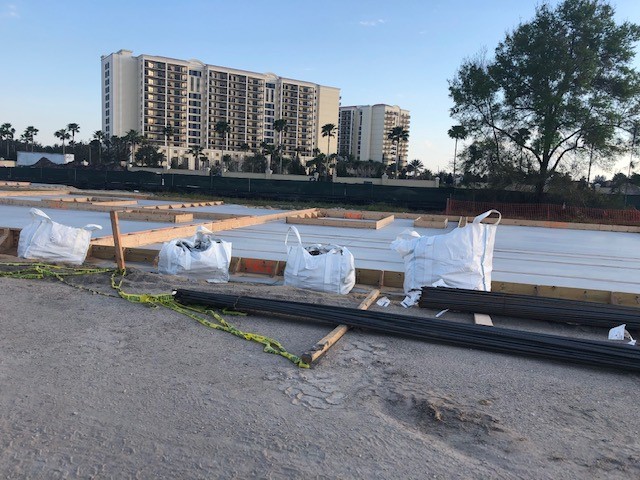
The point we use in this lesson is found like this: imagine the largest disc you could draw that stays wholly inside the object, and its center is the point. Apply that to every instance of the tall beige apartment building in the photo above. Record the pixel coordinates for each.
(147, 93)
(363, 132)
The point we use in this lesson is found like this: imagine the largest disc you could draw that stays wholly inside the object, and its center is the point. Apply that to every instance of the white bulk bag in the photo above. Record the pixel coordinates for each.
(327, 268)
(44, 239)
(462, 258)
(200, 255)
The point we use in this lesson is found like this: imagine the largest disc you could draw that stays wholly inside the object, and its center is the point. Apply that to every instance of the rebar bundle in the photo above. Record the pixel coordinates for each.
(528, 306)
(552, 347)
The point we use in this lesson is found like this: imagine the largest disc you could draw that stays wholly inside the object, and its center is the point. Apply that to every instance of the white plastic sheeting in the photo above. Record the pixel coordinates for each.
(201, 255)
(462, 258)
(326, 268)
(44, 239)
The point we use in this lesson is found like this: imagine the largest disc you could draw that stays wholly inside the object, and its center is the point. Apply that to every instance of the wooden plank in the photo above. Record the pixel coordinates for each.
(6, 183)
(31, 193)
(482, 319)
(366, 214)
(115, 227)
(321, 347)
(216, 215)
(147, 237)
(334, 222)
(156, 216)
(172, 206)
(114, 203)
(383, 222)
(427, 222)
(6, 240)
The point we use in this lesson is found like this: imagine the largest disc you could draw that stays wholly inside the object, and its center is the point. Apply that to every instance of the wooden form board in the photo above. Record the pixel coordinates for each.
(31, 193)
(6, 239)
(156, 216)
(137, 239)
(430, 222)
(173, 206)
(366, 215)
(324, 220)
(379, 278)
(95, 201)
(14, 184)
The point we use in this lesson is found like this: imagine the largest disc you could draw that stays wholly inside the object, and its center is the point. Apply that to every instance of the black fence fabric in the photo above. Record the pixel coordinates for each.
(428, 199)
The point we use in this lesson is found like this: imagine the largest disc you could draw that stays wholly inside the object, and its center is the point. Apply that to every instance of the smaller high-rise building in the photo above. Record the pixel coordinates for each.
(363, 132)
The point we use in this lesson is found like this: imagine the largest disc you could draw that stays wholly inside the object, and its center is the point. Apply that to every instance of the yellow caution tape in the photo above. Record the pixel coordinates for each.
(43, 270)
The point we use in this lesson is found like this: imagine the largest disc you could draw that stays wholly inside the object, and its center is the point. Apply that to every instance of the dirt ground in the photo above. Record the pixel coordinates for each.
(93, 386)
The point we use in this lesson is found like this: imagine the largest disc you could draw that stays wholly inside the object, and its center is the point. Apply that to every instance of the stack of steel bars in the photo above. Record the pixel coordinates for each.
(528, 306)
(553, 347)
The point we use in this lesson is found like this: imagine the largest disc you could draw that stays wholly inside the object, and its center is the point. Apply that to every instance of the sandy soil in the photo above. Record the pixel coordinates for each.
(92, 386)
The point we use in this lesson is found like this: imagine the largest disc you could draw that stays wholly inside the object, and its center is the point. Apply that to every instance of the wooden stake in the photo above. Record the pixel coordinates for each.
(115, 227)
(320, 348)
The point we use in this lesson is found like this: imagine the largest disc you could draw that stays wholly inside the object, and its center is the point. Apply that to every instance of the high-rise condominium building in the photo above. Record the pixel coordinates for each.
(363, 132)
(149, 93)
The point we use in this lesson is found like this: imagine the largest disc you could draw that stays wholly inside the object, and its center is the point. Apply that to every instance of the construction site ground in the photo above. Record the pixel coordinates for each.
(92, 386)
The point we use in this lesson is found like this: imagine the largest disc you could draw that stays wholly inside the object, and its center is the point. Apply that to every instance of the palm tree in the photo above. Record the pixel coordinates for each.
(268, 149)
(328, 130)
(397, 135)
(29, 133)
(98, 136)
(73, 128)
(133, 138)
(458, 132)
(168, 131)
(223, 129)
(196, 151)
(415, 166)
(63, 135)
(280, 126)
(244, 147)
(6, 133)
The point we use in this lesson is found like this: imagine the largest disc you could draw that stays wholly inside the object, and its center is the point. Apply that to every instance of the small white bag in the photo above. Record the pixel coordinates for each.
(462, 258)
(202, 255)
(44, 239)
(326, 268)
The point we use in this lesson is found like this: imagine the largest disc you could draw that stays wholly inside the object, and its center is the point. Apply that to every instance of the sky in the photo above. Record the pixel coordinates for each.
(398, 53)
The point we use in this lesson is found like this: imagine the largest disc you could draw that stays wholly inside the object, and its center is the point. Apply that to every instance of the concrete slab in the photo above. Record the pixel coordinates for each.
(538, 256)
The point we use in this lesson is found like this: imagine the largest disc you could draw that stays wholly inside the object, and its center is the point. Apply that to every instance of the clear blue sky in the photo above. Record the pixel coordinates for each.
(375, 51)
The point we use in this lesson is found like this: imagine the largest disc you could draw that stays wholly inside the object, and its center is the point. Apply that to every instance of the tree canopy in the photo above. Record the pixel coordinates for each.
(561, 84)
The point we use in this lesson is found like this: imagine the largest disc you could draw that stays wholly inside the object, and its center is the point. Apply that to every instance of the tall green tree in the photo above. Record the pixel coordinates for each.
(196, 151)
(133, 138)
(223, 129)
(63, 135)
(98, 136)
(30, 134)
(280, 126)
(6, 133)
(415, 166)
(150, 156)
(457, 132)
(168, 131)
(73, 128)
(560, 75)
(329, 131)
(398, 135)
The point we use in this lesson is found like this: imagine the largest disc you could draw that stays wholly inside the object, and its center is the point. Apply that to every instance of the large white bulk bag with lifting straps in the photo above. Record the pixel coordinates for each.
(326, 268)
(44, 239)
(462, 258)
(202, 255)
